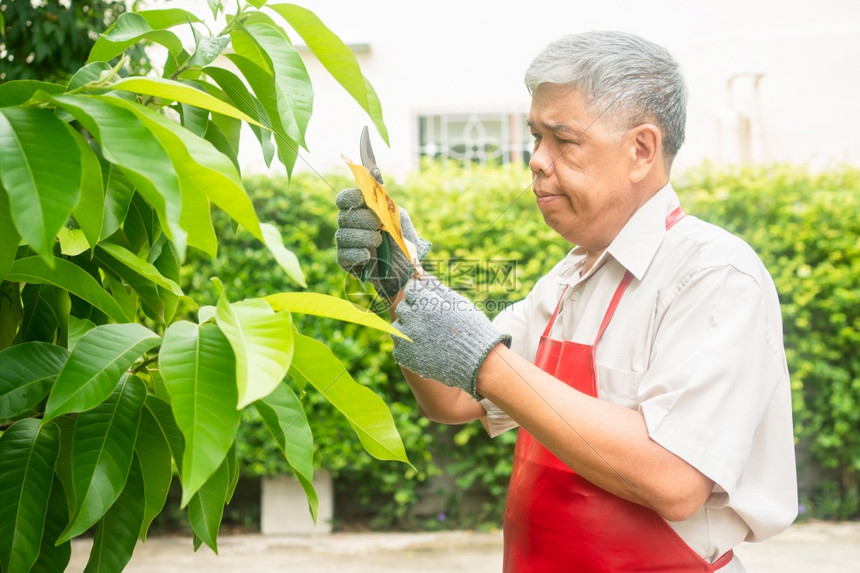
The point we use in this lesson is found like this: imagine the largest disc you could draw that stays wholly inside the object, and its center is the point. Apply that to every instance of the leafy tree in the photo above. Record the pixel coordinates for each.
(106, 183)
(49, 39)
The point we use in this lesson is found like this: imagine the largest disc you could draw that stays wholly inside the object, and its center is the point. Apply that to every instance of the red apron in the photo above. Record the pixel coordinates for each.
(557, 521)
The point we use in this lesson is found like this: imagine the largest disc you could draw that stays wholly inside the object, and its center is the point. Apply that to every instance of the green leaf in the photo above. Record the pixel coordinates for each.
(54, 557)
(142, 226)
(153, 451)
(77, 328)
(116, 533)
(11, 312)
(202, 168)
(102, 452)
(96, 365)
(263, 84)
(140, 266)
(257, 3)
(243, 99)
(208, 48)
(40, 169)
(63, 466)
(73, 242)
(244, 46)
(9, 238)
(68, 276)
(336, 57)
(318, 304)
(216, 136)
(231, 129)
(232, 471)
(129, 29)
(368, 415)
(163, 416)
(27, 453)
(124, 295)
(293, 90)
(216, 7)
(168, 265)
(194, 119)
(46, 312)
(172, 90)
(17, 92)
(206, 508)
(130, 145)
(130, 289)
(199, 371)
(284, 257)
(89, 73)
(118, 194)
(168, 18)
(287, 422)
(90, 211)
(262, 342)
(27, 372)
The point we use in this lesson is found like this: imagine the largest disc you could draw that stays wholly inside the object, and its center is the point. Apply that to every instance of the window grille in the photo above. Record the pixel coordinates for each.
(475, 138)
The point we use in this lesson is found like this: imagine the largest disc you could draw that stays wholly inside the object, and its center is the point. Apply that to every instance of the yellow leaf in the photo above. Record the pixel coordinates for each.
(383, 205)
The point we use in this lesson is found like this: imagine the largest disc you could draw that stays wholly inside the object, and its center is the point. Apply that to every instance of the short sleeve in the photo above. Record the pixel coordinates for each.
(514, 321)
(715, 365)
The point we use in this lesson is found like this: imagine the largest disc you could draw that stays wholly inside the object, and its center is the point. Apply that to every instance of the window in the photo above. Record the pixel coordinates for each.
(482, 138)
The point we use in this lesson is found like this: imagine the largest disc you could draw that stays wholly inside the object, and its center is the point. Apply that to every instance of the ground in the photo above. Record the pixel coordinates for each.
(822, 547)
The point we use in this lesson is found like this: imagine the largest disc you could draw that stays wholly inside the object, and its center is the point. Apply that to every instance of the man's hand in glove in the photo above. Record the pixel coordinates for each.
(450, 336)
(358, 235)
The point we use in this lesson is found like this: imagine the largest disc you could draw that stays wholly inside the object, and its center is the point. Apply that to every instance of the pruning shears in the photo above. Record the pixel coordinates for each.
(382, 253)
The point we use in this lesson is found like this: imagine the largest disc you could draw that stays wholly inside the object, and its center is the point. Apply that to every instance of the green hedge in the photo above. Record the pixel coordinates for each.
(490, 242)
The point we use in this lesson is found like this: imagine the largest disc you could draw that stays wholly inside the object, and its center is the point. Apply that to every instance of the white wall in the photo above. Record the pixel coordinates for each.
(470, 55)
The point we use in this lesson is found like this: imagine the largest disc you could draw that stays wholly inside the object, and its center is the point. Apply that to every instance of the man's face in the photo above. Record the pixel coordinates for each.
(581, 165)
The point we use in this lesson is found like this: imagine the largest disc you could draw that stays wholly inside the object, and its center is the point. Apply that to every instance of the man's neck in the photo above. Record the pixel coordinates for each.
(591, 257)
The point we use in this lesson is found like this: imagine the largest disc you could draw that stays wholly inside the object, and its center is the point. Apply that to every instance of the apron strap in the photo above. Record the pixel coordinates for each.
(549, 324)
(674, 217)
(671, 219)
(613, 304)
(724, 560)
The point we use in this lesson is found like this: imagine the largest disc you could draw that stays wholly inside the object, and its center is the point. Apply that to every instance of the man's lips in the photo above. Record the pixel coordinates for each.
(544, 198)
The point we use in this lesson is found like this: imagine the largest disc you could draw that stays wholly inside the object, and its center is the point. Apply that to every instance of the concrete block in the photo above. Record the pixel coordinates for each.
(284, 506)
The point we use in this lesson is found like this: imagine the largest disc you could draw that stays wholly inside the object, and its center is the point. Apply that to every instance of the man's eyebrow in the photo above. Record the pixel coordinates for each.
(555, 128)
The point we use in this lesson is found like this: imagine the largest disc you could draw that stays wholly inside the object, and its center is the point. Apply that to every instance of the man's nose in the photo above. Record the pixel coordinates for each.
(541, 162)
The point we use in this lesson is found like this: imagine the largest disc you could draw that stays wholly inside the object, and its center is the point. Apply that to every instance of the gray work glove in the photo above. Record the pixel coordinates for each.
(450, 336)
(358, 233)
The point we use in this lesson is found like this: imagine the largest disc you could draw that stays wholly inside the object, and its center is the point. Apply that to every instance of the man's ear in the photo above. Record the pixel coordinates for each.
(646, 146)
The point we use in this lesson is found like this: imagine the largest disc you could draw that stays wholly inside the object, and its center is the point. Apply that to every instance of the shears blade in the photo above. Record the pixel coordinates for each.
(383, 252)
(367, 157)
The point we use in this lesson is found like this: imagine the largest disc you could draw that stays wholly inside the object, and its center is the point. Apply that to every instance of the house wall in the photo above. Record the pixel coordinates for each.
(449, 56)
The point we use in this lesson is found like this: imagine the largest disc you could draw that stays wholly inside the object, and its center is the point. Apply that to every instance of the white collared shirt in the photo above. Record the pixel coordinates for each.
(695, 346)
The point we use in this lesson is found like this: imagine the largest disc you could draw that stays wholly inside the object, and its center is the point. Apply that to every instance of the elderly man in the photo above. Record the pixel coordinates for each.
(646, 369)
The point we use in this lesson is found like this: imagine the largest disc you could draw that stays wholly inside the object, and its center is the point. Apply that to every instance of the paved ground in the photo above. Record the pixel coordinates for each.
(807, 547)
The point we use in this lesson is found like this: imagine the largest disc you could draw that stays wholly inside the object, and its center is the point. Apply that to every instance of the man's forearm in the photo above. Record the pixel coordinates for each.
(442, 403)
(605, 443)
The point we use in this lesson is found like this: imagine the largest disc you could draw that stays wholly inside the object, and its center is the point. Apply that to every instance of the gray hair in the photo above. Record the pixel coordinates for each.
(638, 79)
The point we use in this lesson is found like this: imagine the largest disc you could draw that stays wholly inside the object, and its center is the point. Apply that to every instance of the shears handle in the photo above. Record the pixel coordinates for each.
(379, 257)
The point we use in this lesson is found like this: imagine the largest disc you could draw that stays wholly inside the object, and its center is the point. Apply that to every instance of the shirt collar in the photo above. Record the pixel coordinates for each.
(637, 243)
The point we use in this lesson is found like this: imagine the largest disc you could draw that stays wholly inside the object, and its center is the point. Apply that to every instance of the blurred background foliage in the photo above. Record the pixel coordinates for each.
(490, 242)
(49, 40)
